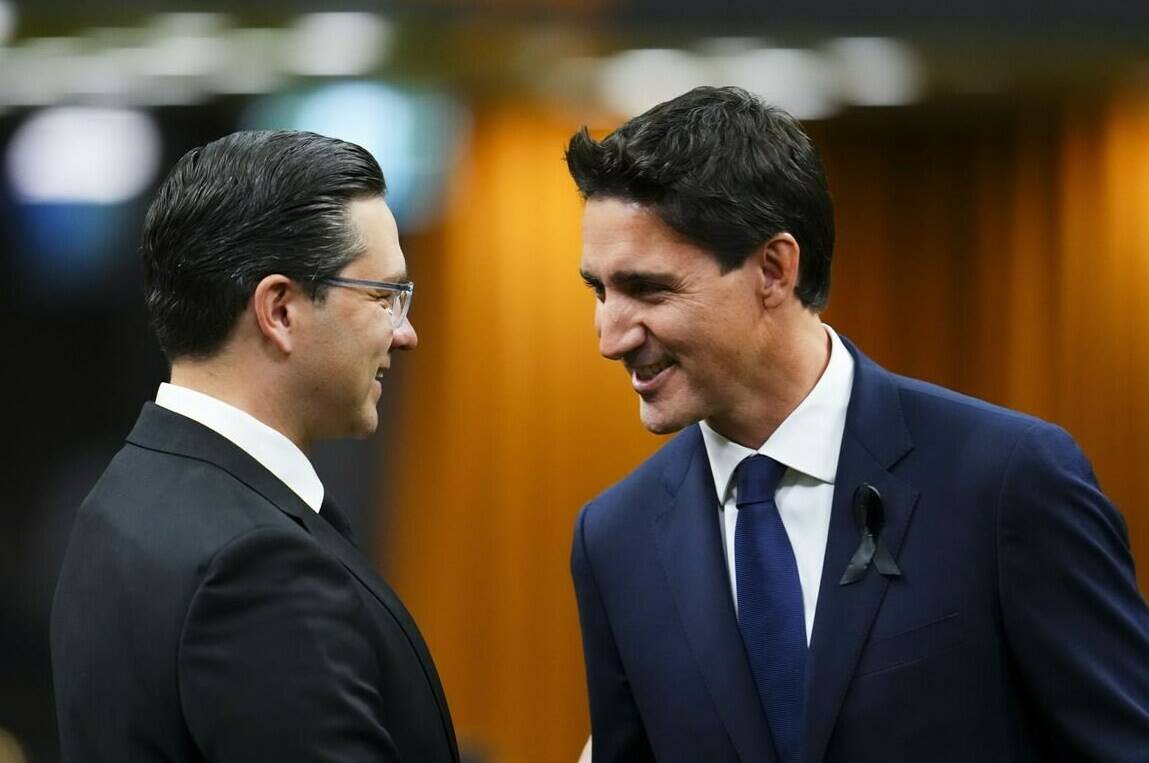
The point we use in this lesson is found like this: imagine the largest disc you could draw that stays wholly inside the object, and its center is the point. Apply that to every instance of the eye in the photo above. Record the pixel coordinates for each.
(596, 287)
(647, 290)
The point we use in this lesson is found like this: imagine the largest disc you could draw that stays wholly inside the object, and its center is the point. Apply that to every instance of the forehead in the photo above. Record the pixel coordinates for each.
(382, 258)
(625, 235)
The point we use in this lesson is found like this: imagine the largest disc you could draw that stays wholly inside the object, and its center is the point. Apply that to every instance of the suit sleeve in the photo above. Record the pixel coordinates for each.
(617, 731)
(274, 662)
(1077, 626)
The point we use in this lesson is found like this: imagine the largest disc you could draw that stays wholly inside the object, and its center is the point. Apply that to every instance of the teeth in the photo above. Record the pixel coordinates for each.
(645, 373)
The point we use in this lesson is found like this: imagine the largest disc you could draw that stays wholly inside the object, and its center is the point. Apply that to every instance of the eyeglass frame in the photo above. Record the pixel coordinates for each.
(407, 288)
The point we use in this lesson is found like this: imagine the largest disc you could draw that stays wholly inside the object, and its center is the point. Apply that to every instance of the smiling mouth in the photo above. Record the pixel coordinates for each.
(647, 380)
(647, 373)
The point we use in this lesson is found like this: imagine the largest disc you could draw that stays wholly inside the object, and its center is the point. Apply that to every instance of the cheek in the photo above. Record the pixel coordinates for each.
(720, 351)
(385, 332)
(374, 328)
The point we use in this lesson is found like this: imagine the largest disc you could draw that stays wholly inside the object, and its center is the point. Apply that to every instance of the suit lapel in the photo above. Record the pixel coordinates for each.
(357, 565)
(690, 549)
(874, 440)
(163, 430)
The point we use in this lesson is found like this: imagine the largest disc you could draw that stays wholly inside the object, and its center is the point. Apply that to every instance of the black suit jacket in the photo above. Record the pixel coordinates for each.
(204, 612)
(1015, 632)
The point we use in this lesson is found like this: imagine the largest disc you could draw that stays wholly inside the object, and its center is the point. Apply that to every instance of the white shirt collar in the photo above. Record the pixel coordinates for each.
(271, 448)
(809, 440)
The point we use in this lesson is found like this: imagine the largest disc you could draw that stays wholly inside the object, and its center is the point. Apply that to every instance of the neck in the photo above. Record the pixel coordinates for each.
(793, 360)
(219, 377)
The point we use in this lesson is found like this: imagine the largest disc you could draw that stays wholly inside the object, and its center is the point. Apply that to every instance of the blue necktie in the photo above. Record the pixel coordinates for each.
(771, 614)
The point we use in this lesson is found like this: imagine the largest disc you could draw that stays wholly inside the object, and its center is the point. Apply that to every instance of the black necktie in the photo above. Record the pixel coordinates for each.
(337, 519)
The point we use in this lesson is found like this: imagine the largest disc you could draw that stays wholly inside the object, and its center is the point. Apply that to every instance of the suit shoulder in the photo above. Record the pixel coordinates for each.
(163, 505)
(934, 405)
(934, 428)
(652, 478)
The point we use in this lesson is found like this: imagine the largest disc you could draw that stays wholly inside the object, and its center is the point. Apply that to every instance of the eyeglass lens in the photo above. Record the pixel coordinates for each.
(400, 305)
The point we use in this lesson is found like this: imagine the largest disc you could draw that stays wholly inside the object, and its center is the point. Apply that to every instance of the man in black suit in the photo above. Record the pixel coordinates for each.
(212, 604)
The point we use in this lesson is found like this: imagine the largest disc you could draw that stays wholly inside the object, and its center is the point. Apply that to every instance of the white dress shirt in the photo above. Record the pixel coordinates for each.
(808, 443)
(269, 447)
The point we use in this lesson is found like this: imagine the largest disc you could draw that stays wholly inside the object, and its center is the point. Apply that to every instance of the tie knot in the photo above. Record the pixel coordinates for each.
(758, 478)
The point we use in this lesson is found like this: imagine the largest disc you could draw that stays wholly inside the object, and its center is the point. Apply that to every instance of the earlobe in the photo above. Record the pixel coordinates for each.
(777, 261)
(274, 305)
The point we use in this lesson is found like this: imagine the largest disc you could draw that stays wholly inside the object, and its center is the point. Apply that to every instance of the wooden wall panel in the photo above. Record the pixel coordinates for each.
(510, 422)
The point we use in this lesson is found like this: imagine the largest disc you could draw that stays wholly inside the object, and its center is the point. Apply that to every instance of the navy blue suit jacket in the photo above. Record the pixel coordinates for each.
(1016, 631)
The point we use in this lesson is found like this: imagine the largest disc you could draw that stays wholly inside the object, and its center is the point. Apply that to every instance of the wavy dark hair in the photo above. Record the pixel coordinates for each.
(723, 169)
(241, 208)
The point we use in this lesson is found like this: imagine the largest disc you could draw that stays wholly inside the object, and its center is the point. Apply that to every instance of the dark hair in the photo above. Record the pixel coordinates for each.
(239, 209)
(724, 170)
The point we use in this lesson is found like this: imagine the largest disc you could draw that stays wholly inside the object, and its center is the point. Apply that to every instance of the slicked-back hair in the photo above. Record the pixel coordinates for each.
(723, 169)
(238, 209)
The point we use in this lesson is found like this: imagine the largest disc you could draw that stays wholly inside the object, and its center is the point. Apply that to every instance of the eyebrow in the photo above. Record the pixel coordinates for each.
(624, 279)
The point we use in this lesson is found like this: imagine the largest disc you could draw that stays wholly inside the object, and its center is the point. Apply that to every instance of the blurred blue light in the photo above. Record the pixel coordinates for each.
(412, 135)
(75, 176)
(70, 250)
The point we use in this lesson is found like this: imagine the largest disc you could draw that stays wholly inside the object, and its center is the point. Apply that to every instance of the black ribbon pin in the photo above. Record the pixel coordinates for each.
(870, 516)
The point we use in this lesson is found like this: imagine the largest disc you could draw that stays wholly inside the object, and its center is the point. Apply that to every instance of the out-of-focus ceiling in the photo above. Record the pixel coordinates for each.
(814, 57)
(1126, 19)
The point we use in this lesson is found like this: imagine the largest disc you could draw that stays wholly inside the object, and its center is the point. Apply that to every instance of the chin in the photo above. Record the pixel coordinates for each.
(657, 422)
(362, 426)
(367, 427)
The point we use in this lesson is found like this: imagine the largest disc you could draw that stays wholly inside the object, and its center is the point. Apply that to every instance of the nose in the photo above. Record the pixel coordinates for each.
(404, 337)
(619, 332)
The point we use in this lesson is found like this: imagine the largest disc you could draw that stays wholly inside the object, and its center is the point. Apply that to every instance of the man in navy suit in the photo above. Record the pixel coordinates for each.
(213, 603)
(829, 562)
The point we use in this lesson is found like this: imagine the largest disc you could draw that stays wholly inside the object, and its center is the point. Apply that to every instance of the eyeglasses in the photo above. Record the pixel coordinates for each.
(395, 297)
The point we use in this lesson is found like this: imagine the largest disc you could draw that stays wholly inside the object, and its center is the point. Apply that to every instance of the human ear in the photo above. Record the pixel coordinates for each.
(275, 304)
(777, 261)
